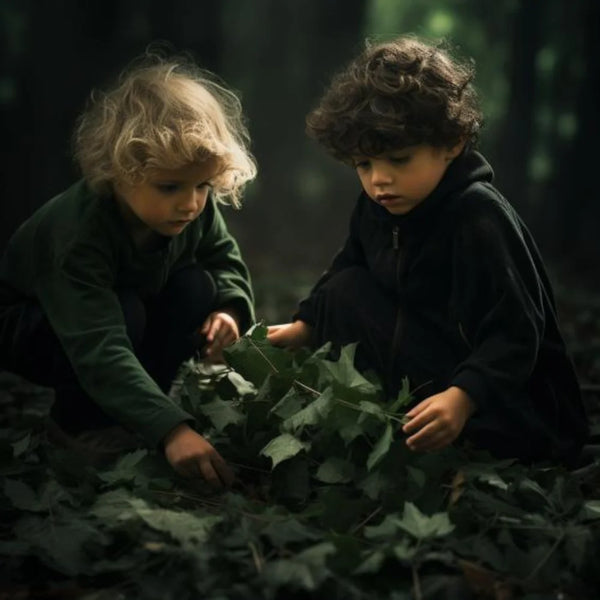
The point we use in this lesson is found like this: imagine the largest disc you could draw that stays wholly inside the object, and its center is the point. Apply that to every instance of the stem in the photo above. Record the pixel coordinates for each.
(273, 367)
(258, 563)
(545, 558)
(365, 521)
(416, 582)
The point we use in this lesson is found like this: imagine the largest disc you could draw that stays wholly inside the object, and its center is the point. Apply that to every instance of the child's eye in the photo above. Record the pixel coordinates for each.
(361, 164)
(399, 160)
(205, 184)
(167, 188)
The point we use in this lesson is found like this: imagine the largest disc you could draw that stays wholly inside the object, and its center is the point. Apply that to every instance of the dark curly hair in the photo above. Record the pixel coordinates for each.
(397, 94)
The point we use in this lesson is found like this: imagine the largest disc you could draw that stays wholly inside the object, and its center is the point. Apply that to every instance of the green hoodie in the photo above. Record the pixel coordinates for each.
(73, 253)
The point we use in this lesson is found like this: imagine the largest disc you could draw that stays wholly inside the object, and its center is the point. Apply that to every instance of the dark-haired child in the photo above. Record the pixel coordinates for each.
(439, 278)
(110, 285)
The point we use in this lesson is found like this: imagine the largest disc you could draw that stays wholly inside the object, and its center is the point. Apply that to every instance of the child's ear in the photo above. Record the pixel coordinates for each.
(455, 150)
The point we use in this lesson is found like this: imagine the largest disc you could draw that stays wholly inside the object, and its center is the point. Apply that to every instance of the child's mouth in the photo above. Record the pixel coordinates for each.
(386, 198)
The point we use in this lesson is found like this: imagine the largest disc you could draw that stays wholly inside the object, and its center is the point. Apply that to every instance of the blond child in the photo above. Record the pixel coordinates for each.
(110, 285)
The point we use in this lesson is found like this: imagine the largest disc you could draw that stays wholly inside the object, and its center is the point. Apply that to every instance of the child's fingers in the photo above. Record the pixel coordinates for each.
(206, 325)
(425, 437)
(207, 471)
(419, 408)
(214, 328)
(418, 421)
(225, 473)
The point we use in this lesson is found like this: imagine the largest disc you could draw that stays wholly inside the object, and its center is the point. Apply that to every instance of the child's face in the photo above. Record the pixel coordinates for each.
(401, 179)
(168, 200)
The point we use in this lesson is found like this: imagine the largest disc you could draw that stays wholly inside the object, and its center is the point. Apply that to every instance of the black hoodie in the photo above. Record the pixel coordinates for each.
(464, 265)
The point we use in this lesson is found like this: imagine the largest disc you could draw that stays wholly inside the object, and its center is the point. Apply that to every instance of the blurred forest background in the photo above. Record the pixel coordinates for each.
(537, 65)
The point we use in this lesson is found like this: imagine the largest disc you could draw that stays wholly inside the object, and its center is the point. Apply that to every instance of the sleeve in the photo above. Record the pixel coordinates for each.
(86, 315)
(351, 254)
(220, 255)
(499, 298)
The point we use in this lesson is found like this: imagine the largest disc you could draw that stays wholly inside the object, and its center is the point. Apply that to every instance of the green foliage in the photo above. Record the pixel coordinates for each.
(329, 502)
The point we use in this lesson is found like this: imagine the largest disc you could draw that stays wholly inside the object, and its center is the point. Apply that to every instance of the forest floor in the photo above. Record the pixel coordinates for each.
(31, 567)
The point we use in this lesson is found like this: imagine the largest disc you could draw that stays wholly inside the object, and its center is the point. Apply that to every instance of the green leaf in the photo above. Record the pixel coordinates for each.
(404, 397)
(312, 414)
(344, 372)
(283, 447)
(591, 510)
(21, 495)
(222, 413)
(417, 476)
(381, 447)
(21, 446)
(370, 408)
(125, 469)
(242, 386)
(372, 564)
(61, 545)
(306, 570)
(288, 531)
(290, 404)
(386, 530)
(421, 526)
(335, 470)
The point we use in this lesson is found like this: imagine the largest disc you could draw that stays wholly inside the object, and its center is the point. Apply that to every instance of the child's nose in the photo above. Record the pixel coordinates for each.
(191, 201)
(380, 175)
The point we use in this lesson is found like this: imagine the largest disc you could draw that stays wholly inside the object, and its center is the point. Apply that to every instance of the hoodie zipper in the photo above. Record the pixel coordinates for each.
(398, 324)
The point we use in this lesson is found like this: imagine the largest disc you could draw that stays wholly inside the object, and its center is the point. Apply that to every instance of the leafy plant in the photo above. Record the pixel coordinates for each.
(329, 502)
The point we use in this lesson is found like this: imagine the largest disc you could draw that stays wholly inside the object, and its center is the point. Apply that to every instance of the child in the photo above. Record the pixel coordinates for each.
(110, 285)
(439, 279)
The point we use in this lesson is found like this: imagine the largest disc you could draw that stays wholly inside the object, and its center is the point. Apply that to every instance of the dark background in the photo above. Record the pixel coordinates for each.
(537, 65)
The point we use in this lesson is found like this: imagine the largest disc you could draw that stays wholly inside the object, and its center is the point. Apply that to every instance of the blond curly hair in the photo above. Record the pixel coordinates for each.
(164, 114)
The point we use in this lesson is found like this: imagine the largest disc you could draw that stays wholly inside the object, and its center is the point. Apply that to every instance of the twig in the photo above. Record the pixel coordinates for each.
(248, 467)
(256, 557)
(545, 558)
(416, 582)
(365, 521)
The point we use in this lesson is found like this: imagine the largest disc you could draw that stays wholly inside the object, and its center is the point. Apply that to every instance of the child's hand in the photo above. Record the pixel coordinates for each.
(220, 329)
(191, 455)
(438, 420)
(290, 335)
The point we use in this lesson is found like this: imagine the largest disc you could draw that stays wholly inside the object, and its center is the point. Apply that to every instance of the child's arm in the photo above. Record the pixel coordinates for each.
(218, 252)
(438, 420)
(290, 335)
(191, 455)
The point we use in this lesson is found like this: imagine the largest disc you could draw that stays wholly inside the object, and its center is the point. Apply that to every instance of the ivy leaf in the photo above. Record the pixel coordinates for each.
(242, 386)
(288, 531)
(590, 510)
(404, 397)
(372, 564)
(306, 570)
(21, 495)
(255, 358)
(125, 469)
(421, 526)
(370, 408)
(289, 405)
(335, 470)
(344, 372)
(222, 413)
(381, 447)
(283, 447)
(61, 545)
(21, 446)
(312, 414)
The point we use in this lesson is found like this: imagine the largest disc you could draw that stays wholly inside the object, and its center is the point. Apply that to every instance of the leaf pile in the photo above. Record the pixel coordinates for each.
(329, 502)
